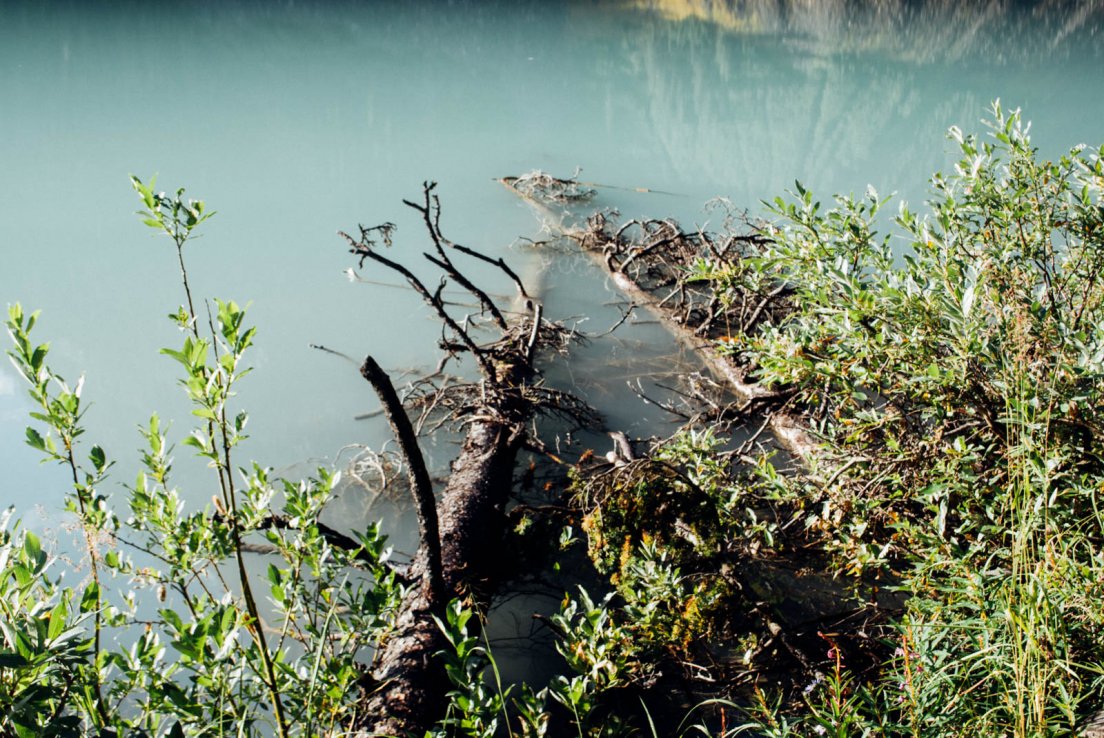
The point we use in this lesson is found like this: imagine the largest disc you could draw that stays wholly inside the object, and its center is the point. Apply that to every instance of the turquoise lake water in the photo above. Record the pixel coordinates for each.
(295, 120)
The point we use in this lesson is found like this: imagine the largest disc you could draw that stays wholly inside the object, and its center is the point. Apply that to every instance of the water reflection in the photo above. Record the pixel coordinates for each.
(914, 31)
(295, 120)
(748, 96)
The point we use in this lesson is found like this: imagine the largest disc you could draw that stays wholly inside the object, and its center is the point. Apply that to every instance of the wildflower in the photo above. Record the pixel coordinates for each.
(900, 653)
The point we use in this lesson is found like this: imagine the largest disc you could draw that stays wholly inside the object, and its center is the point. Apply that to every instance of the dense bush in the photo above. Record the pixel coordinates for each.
(953, 374)
(957, 374)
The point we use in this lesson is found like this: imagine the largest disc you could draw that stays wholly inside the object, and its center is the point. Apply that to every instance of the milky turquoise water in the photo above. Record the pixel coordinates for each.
(296, 120)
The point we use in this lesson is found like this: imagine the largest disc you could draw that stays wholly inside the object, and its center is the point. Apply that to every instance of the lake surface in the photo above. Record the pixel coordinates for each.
(296, 120)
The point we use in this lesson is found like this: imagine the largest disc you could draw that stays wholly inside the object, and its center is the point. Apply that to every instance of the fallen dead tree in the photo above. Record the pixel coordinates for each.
(650, 261)
(462, 533)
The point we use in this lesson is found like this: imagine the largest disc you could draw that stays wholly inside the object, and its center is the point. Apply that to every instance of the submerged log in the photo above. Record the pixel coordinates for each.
(404, 693)
(652, 271)
(633, 269)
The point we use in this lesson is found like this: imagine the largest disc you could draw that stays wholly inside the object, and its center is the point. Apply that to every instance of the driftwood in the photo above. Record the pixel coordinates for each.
(650, 270)
(461, 535)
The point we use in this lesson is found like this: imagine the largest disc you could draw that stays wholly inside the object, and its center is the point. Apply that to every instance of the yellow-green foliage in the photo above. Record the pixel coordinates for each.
(658, 527)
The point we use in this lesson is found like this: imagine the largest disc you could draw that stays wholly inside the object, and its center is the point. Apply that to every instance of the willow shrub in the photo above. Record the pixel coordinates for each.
(955, 374)
(171, 634)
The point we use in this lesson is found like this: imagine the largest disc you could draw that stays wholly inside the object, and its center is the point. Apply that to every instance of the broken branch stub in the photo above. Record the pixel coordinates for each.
(420, 485)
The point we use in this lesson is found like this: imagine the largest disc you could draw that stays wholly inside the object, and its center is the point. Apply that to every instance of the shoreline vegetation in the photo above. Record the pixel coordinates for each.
(880, 517)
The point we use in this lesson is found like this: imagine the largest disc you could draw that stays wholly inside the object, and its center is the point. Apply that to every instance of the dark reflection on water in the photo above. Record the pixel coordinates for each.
(992, 32)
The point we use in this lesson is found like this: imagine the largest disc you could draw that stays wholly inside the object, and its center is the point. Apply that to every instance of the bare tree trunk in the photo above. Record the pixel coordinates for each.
(406, 693)
(462, 533)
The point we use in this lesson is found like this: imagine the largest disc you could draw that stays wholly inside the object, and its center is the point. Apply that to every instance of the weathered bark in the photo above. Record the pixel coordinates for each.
(407, 689)
(463, 532)
(472, 508)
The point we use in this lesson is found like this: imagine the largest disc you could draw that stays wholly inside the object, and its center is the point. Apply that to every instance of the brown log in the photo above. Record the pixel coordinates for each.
(462, 533)
(408, 685)
(405, 692)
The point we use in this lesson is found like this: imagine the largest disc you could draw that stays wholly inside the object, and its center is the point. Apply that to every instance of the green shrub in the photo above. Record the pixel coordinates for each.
(955, 373)
(169, 635)
(44, 645)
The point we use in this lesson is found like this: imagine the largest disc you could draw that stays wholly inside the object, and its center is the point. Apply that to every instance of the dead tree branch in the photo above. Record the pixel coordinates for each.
(462, 534)
(363, 249)
(420, 485)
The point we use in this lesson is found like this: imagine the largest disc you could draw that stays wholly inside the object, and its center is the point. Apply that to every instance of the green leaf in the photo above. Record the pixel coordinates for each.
(35, 440)
(11, 660)
(39, 356)
(33, 548)
(98, 458)
(179, 356)
(229, 617)
(58, 617)
(24, 731)
(967, 301)
(90, 602)
(172, 619)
